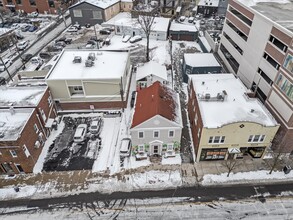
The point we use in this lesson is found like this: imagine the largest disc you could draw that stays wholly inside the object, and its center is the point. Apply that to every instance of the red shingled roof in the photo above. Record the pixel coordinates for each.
(157, 99)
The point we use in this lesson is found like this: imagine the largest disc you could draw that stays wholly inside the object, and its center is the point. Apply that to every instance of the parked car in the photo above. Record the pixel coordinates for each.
(45, 55)
(132, 99)
(72, 29)
(77, 26)
(91, 42)
(26, 57)
(182, 18)
(19, 36)
(94, 38)
(64, 39)
(37, 60)
(60, 44)
(25, 28)
(95, 126)
(32, 28)
(7, 63)
(14, 26)
(87, 25)
(107, 41)
(2, 81)
(34, 14)
(80, 133)
(190, 19)
(126, 38)
(125, 147)
(105, 31)
(135, 39)
(22, 45)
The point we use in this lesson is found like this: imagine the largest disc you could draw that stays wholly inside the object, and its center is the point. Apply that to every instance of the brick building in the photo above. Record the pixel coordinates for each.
(26, 115)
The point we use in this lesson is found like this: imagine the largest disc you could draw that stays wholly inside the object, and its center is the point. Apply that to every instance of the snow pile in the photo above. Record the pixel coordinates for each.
(252, 176)
(250, 3)
(10, 193)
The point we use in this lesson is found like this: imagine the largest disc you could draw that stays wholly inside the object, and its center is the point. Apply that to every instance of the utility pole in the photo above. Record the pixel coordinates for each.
(121, 94)
(96, 37)
(5, 68)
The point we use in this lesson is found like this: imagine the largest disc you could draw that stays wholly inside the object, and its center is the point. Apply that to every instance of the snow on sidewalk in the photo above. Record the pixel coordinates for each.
(244, 177)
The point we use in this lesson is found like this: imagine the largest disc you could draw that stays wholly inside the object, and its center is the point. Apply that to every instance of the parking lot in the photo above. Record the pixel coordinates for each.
(64, 154)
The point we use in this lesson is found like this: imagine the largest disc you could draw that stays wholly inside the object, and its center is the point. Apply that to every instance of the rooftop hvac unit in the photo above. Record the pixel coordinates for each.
(89, 63)
(220, 96)
(91, 56)
(77, 59)
(207, 96)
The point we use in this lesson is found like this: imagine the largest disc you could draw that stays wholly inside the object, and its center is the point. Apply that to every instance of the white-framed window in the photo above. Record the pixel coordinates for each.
(43, 114)
(36, 128)
(256, 138)
(37, 144)
(76, 90)
(41, 138)
(26, 151)
(50, 101)
(97, 15)
(13, 153)
(140, 134)
(77, 13)
(140, 148)
(156, 134)
(195, 119)
(198, 133)
(216, 139)
(171, 133)
(170, 147)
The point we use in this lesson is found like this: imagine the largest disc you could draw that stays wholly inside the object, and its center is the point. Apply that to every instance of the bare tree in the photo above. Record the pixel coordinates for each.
(146, 22)
(230, 164)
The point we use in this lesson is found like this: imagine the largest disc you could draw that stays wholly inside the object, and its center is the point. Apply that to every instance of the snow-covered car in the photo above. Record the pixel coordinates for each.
(7, 63)
(135, 39)
(80, 133)
(125, 147)
(126, 38)
(14, 26)
(95, 126)
(34, 14)
(22, 45)
(72, 29)
(182, 18)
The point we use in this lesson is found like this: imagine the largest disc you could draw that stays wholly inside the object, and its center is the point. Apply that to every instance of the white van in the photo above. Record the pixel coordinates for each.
(125, 147)
(80, 133)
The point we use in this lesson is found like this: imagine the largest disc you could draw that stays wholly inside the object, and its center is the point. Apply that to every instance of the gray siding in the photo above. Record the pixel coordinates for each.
(87, 14)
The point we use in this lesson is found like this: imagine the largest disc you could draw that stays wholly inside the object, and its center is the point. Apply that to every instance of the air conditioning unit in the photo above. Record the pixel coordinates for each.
(207, 96)
(89, 63)
(77, 59)
(91, 56)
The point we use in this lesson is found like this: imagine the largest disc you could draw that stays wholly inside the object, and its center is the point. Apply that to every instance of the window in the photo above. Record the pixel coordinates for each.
(271, 61)
(13, 153)
(32, 2)
(51, 3)
(77, 13)
(170, 147)
(256, 138)
(264, 76)
(37, 144)
(0, 153)
(18, 2)
(198, 133)
(278, 43)
(43, 114)
(195, 119)
(285, 86)
(156, 134)
(216, 139)
(140, 134)
(171, 133)
(76, 90)
(97, 15)
(50, 101)
(141, 148)
(36, 128)
(288, 63)
(25, 150)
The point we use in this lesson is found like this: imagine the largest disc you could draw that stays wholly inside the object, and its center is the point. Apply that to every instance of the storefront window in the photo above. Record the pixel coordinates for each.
(213, 154)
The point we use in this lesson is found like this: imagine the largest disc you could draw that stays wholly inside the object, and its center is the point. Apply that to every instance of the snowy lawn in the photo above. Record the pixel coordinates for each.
(244, 177)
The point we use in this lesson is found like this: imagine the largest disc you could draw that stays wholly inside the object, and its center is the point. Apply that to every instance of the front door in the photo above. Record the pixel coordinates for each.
(156, 149)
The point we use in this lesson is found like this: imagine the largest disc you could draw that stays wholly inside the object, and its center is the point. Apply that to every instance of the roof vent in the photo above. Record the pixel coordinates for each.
(77, 59)
(220, 96)
(251, 110)
(207, 96)
(202, 82)
(89, 63)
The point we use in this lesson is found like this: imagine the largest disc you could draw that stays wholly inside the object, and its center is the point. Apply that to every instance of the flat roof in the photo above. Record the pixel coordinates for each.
(12, 122)
(182, 27)
(21, 96)
(279, 11)
(153, 68)
(212, 3)
(200, 59)
(107, 65)
(236, 107)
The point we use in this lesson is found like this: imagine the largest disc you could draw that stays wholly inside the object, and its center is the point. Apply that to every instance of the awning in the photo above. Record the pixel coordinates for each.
(234, 151)
(49, 123)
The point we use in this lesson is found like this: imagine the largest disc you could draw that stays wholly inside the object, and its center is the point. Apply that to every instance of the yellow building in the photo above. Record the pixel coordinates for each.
(225, 121)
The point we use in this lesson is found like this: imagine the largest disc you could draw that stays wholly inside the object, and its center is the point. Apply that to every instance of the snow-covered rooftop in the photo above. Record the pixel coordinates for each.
(107, 65)
(12, 122)
(200, 59)
(211, 3)
(21, 96)
(153, 68)
(236, 107)
(159, 24)
(175, 26)
(99, 3)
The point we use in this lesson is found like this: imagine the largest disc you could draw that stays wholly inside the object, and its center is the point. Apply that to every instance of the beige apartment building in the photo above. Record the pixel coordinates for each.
(225, 122)
(87, 79)
(257, 46)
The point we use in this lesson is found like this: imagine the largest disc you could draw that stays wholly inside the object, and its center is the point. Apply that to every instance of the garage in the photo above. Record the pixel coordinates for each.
(183, 31)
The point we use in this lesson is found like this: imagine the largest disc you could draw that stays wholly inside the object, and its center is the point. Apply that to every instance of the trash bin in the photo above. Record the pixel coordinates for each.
(287, 169)
(16, 189)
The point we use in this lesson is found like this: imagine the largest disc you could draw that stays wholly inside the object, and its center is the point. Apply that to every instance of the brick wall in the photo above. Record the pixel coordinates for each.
(86, 105)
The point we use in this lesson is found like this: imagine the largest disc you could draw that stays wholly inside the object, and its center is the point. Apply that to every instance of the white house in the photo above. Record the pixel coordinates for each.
(149, 73)
(157, 123)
